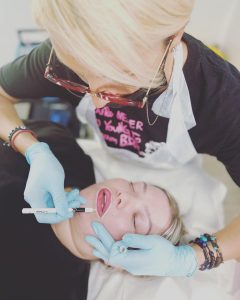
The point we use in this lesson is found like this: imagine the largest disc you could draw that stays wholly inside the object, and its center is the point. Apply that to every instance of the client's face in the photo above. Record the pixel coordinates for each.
(122, 207)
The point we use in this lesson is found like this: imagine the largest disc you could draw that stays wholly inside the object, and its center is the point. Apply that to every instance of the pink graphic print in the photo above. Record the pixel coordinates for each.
(118, 130)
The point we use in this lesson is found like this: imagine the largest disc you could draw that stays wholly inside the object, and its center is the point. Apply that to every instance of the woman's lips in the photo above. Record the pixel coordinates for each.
(104, 197)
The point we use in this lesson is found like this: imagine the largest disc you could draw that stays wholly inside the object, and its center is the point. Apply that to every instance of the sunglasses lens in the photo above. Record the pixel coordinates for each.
(122, 101)
(72, 84)
(113, 105)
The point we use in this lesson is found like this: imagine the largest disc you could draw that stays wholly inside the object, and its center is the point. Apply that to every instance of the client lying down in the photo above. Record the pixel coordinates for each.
(122, 207)
(40, 261)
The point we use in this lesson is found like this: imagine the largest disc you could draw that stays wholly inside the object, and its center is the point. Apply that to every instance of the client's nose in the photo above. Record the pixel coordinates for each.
(126, 200)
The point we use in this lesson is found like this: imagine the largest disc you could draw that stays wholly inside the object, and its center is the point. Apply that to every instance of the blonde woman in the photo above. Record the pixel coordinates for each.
(153, 95)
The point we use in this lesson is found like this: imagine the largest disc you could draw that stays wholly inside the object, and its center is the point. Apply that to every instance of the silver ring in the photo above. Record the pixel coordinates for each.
(122, 249)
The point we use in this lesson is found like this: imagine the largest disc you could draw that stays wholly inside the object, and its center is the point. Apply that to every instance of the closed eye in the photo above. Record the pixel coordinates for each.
(134, 221)
(132, 186)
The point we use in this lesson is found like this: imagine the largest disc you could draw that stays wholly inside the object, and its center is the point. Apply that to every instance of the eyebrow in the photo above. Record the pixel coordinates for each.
(147, 210)
(144, 186)
(150, 221)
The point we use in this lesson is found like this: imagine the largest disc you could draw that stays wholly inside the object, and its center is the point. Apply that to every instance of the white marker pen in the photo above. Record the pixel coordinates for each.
(53, 210)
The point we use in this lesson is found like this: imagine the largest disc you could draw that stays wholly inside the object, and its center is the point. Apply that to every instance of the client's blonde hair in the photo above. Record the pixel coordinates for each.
(109, 36)
(176, 229)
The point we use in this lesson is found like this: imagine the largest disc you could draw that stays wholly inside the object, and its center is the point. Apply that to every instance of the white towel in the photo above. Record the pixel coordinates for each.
(200, 199)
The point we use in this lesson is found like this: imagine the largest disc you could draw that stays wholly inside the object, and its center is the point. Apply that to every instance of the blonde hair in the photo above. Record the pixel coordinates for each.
(109, 36)
(176, 229)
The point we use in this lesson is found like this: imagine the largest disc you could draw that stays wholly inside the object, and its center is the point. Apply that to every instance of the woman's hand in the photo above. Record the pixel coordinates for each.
(45, 185)
(150, 255)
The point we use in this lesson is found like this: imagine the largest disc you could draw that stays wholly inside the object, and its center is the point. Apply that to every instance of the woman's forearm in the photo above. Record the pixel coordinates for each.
(228, 240)
(9, 119)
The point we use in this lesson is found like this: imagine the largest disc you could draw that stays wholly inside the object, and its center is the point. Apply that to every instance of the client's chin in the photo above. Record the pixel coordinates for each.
(75, 244)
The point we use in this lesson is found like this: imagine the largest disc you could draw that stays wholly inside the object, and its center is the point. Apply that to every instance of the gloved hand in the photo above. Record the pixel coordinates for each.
(45, 185)
(154, 256)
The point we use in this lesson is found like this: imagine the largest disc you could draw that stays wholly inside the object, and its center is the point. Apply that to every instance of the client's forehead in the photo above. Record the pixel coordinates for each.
(159, 207)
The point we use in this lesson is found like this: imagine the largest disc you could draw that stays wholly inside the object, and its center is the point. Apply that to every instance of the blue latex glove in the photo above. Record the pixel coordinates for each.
(45, 185)
(154, 256)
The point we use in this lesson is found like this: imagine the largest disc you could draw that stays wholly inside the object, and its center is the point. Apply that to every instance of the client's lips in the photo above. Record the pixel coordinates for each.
(103, 201)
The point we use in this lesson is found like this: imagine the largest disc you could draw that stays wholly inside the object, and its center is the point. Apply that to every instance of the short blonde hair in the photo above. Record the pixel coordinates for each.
(176, 229)
(109, 36)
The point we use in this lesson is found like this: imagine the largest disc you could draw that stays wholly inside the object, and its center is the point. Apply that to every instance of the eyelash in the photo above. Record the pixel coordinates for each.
(132, 186)
(134, 221)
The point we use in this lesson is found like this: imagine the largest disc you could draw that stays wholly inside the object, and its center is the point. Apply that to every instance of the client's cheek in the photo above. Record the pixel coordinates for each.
(117, 227)
(82, 223)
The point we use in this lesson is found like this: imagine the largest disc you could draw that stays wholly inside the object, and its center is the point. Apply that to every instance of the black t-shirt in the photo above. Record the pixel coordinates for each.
(214, 87)
(33, 262)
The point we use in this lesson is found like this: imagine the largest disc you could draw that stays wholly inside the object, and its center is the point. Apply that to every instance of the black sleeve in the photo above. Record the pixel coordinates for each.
(229, 152)
(214, 86)
(24, 77)
(227, 116)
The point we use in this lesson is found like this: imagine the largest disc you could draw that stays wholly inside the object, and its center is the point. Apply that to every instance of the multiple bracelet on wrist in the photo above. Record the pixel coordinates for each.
(213, 257)
(13, 135)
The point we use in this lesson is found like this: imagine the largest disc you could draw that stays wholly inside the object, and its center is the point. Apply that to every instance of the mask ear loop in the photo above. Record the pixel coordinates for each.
(159, 68)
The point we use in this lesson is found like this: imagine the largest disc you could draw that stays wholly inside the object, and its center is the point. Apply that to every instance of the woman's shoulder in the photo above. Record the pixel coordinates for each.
(202, 59)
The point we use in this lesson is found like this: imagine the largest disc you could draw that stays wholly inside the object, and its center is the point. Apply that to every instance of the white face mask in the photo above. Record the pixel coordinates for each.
(177, 87)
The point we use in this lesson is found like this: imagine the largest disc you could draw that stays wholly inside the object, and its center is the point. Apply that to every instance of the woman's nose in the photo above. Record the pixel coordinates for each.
(95, 85)
(98, 102)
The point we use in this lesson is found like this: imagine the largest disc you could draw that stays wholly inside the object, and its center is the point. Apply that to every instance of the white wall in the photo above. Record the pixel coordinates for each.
(232, 38)
(210, 19)
(217, 22)
(14, 14)
(213, 22)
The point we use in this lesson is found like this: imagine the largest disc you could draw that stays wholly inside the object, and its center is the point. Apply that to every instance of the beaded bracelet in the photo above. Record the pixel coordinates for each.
(213, 240)
(211, 264)
(14, 133)
(207, 261)
(11, 133)
(210, 260)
